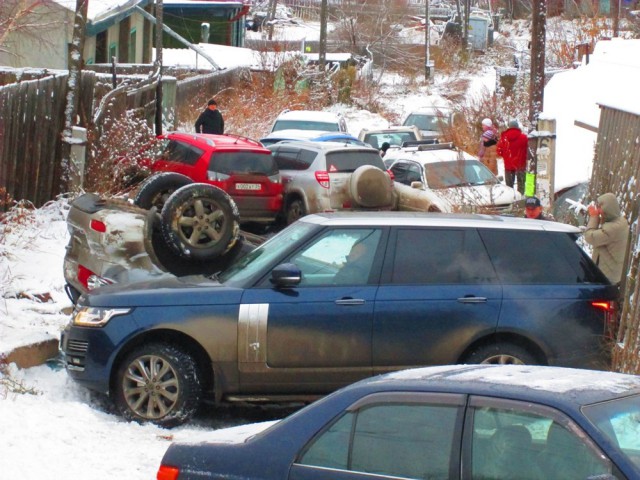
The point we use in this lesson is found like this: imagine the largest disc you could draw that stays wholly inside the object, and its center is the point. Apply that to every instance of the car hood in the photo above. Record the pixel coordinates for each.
(480, 195)
(166, 291)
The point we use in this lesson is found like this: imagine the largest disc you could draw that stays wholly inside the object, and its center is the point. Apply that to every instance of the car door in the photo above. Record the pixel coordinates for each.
(409, 198)
(438, 294)
(505, 439)
(181, 157)
(316, 336)
(411, 435)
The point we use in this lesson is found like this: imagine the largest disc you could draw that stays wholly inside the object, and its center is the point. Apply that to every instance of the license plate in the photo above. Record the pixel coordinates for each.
(248, 186)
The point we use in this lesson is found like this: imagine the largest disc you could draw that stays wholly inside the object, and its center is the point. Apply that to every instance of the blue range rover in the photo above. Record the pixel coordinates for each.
(338, 297)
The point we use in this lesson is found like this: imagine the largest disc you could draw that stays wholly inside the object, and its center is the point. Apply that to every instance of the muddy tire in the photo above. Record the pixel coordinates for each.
(157, 188)
(200, 222)
(502, 353)
(295, 211)
(370, 187)
(158, 383)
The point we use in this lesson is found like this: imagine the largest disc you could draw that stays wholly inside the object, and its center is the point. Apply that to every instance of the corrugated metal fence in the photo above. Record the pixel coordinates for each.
(616, 169)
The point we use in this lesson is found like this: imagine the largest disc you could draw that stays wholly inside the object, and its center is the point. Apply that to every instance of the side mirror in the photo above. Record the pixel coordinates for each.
(417, 185)
(501, 178)
(286, 275)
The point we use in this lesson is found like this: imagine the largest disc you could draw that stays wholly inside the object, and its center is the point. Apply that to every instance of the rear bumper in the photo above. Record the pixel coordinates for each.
(258, 209)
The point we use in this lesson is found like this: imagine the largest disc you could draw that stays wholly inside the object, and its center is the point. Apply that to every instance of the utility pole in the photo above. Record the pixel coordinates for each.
(271, 16)
(538, 34)
(427, 35)
(322, 51)
(615, 13)
(159, 32)
(76, 48)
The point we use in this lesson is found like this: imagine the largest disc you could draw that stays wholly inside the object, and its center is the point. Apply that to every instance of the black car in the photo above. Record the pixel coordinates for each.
(461, 422)
(335, 298)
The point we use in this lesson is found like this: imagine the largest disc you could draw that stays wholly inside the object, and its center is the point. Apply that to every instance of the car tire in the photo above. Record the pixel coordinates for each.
(295, 211)
(501, 353)
(167, 401)
(156, 189)
(200, 222)
(370, 187)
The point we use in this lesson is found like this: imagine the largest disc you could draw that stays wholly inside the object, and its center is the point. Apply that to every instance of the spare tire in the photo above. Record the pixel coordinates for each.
(157, 188)
(200, 222)
(370, 187)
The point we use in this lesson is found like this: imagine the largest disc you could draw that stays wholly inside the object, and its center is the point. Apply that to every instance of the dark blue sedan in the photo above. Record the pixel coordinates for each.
(449, 422)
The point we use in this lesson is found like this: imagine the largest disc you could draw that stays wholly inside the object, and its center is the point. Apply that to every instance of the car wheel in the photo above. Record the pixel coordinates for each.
(502, 354)
(156, 189)
(158, 383)
(370, 187)
(200, 221)
(295, 211)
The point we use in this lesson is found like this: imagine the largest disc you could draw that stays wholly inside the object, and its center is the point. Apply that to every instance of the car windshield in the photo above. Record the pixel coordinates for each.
(254, 163)
(305, 125)
(458, 173)
(619, 421)
(426, 122)
(247, 266)
(392, 138)
(347, 162)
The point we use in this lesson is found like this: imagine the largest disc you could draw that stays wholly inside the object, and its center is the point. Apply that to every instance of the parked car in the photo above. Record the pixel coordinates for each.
(328, 176)
(240, 166)
(309, 120)
(310, 135)
(285, 323)
(570, 204)
(394, 136)
(112, 241)
(442, 178)
(431, 121)
(452, 422)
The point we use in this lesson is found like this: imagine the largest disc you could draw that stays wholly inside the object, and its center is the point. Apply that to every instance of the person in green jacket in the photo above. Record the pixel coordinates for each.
(608, 233)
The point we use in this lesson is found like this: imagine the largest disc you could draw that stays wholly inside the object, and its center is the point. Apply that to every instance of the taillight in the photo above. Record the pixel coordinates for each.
(391, 175)
(605, 305)
(98, 226)
(610, 309)
(83, 275)
(166, 472)
(323, 178)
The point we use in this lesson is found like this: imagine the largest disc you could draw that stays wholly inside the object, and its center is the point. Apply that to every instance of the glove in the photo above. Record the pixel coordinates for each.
(593, 210)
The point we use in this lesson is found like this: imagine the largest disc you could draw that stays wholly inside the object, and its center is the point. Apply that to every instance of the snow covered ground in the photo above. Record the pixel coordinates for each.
(50, 427)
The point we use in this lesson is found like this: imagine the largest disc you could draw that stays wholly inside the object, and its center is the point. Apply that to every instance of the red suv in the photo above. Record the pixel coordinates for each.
(238, 165)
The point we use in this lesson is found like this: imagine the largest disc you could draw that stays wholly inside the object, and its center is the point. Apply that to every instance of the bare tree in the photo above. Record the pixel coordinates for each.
(26, 17)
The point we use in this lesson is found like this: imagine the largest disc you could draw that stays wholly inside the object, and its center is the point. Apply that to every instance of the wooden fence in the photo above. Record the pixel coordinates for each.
(32, 107)
(616, 169)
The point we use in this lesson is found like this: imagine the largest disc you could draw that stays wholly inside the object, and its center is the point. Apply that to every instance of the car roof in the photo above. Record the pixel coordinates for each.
(556, 385)
(327, 146)
(431, 154)
(309, 115)
(427, 219)
(391, 129)
(429, 110)
(218, 141)
(295, 134)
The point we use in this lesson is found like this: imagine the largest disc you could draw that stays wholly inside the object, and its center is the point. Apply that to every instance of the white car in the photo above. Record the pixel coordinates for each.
(395, 136)
(431, 121)
(309, 120)
(441, 178)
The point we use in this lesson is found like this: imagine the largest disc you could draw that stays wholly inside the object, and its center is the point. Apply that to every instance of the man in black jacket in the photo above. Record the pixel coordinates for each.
(210, 120)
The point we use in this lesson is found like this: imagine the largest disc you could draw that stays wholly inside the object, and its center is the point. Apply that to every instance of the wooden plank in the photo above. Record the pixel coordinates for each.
(28, 137)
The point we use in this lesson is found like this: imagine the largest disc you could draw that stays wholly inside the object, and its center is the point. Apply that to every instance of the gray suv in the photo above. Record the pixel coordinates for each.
(327, 176)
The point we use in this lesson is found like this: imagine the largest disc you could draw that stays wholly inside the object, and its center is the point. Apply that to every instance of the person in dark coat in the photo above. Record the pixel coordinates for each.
(512, 147)
(210, 120)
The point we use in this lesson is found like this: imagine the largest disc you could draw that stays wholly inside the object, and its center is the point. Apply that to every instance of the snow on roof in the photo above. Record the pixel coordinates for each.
(575, 95)
(98, 10)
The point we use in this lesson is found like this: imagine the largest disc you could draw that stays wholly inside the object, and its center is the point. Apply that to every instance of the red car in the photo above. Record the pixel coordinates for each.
(238, 165)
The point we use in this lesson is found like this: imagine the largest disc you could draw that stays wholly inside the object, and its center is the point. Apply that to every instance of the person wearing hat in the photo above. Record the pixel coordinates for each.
(608, 233)
(512, 147)
(487, 152)
(533, 209)
(210, 120)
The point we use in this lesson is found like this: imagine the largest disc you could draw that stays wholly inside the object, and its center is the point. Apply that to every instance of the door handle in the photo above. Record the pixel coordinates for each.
(350, 301)
(471, 299)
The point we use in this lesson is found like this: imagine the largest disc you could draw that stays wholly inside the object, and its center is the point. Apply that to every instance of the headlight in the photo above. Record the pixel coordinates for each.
(97, 317)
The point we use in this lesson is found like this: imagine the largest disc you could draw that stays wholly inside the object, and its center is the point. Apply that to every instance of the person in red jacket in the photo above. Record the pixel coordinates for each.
(512, 147)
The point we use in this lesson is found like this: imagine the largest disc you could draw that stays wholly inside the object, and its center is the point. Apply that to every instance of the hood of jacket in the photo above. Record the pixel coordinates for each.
(512, 133)
(610, 206)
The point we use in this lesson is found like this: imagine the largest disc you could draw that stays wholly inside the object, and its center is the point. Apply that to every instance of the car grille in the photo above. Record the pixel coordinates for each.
(74, 353)
(77, 347)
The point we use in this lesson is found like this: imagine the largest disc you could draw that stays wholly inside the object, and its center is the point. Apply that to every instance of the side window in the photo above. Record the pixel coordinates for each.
(527, 257)
(440, 256)
(288, 158)
(180, 152)
(341, 257)
(400, 172)
(398, 440)
(511, 443)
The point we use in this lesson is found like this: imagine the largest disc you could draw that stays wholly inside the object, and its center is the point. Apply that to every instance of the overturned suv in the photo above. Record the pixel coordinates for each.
(334, 298)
